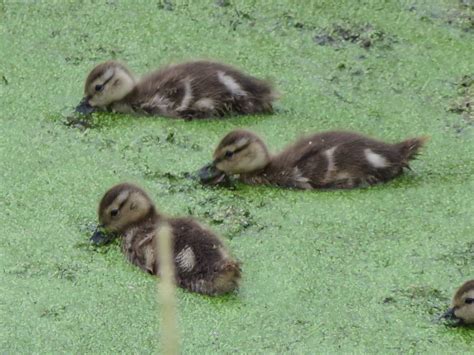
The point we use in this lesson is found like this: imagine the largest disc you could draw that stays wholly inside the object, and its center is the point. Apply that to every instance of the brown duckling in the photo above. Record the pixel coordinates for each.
(199, 89)
(462, 305)
(202, 262)
(335, 159)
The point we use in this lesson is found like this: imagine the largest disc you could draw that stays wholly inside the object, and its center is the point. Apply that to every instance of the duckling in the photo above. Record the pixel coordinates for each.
(334, 159)
(202, 262)
(462, 305)
(198, 89)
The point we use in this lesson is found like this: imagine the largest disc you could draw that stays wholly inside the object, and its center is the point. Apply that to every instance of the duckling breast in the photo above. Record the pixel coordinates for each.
(138, 247)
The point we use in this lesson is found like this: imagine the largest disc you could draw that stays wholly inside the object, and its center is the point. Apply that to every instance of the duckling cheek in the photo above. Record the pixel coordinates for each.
(463, 314)
(93, 101)
(230, 167)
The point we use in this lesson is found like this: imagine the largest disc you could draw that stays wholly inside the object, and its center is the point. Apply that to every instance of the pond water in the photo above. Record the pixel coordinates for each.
(367, 270)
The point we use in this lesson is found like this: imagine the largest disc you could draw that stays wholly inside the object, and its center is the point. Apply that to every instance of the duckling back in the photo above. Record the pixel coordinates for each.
(201, 89)
(202, 262)
(348, 160)
(337, 159)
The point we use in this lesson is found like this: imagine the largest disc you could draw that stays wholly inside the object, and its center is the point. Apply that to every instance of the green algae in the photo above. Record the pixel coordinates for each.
(347, 271)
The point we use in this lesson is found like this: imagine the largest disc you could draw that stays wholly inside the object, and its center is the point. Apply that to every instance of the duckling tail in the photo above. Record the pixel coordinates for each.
(410, 148)
(224, 279)
(227, 280)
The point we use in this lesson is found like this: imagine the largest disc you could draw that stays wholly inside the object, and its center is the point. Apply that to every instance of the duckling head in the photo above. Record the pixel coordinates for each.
(462, 306)
(239, 152)
(122, 207)
(107, 83)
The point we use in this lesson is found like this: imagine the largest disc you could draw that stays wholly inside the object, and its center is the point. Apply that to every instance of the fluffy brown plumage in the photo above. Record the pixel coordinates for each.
(335, 159)
(198, 89)
(462, 305)
(202, 262)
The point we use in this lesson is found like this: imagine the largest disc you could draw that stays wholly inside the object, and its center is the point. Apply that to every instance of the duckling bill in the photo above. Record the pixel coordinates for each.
(461, 311)
(210, 175)
(335, 159)
(101, 237)
(197, 89)
(84, 107)
(202, 262)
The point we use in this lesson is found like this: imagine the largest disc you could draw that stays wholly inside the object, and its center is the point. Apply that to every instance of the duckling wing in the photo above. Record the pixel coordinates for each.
(202, 262)
(221, 89)
(316, 158)
(158, 93)
(302, 164)
(197, 250)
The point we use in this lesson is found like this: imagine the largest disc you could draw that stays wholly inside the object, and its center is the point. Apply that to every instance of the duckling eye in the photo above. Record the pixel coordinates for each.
(469, 301)
(229, 154)
(114, 212)
(99, 87)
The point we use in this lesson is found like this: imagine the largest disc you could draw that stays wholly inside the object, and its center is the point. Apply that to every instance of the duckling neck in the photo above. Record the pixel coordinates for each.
(128, 104)
(260, 176)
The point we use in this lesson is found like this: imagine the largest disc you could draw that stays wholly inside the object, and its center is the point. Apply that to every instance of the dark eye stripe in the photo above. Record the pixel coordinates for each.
(104, 83)
(122, 203)
(241, 148)
(469, 300)
(218, 160)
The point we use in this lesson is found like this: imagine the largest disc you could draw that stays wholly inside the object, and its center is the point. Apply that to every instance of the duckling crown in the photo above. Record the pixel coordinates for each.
(107, 83)
(124, 205)
(241, 152)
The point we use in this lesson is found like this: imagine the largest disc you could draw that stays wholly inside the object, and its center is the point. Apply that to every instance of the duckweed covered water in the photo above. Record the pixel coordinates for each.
(364, 270)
